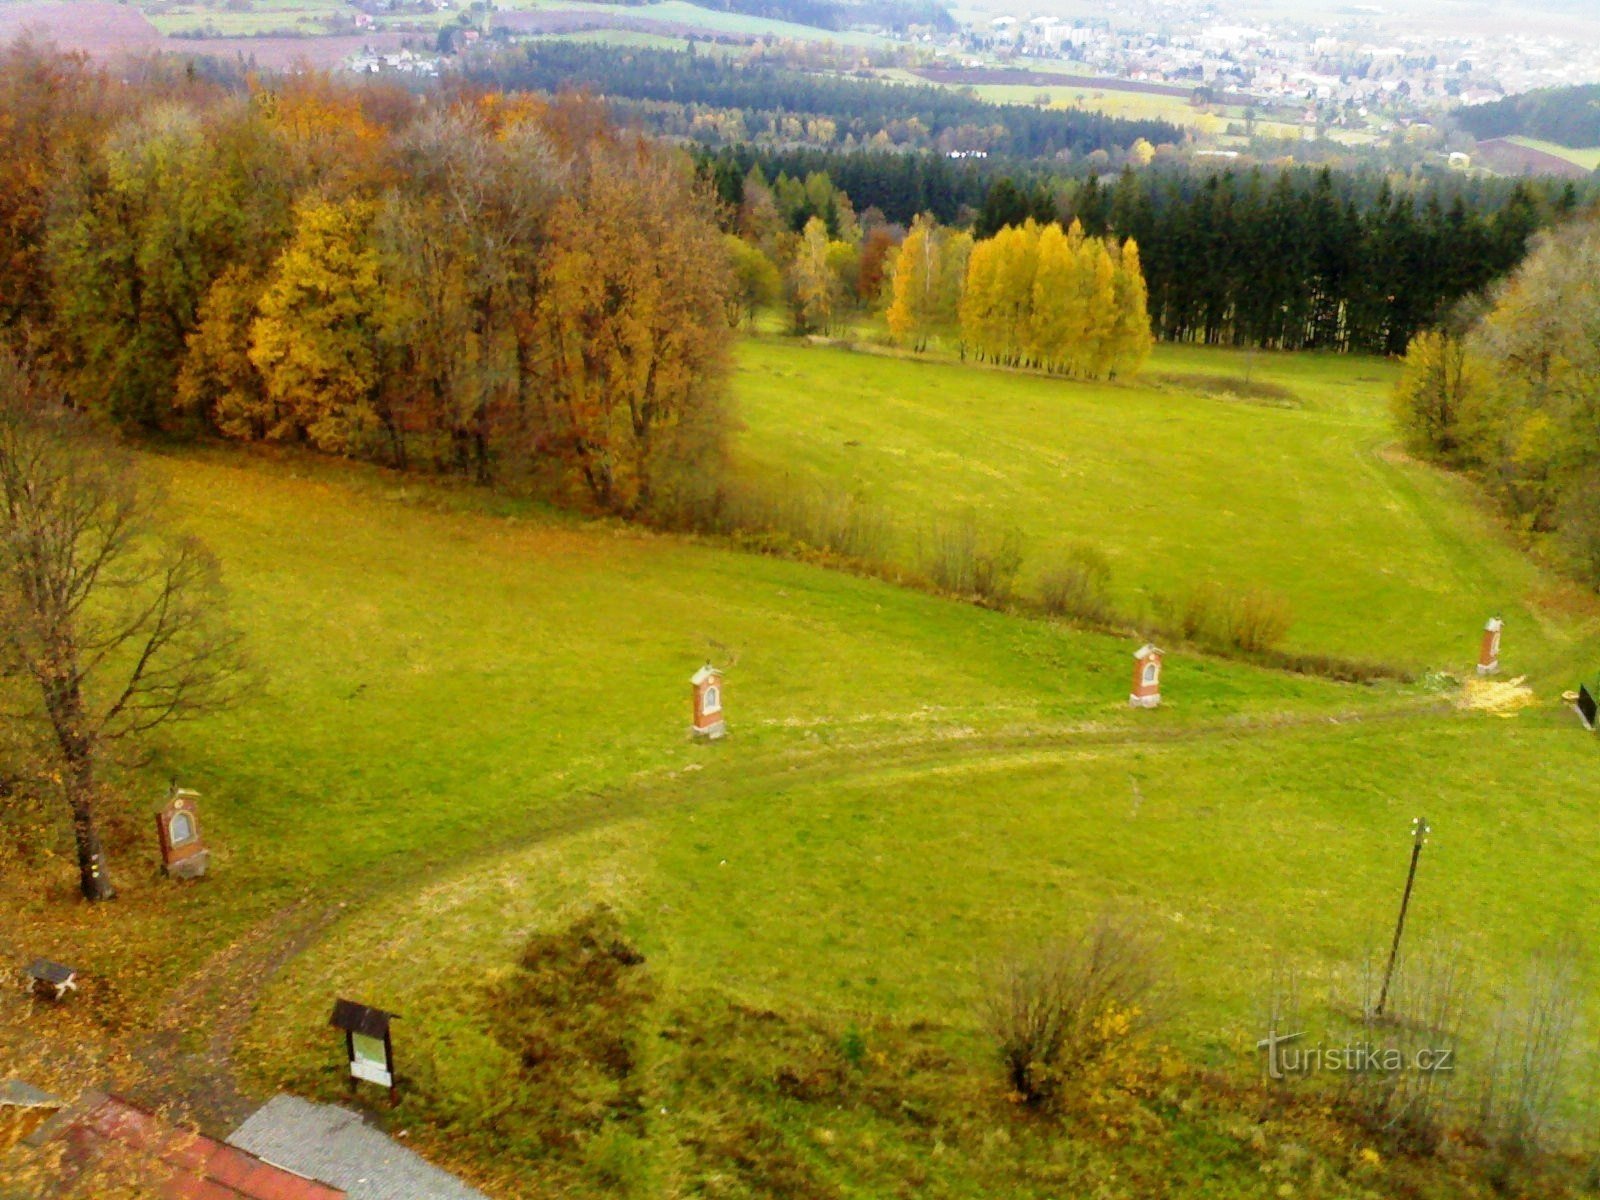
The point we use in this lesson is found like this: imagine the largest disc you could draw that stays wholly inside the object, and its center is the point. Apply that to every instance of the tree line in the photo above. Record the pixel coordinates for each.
(1509, 390)
(1568, 115)
(506, 287)
(1286, 258)
(744, 101)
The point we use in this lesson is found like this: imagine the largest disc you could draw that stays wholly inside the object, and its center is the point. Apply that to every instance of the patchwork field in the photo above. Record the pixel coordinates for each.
(468, 728)
(1588, 159)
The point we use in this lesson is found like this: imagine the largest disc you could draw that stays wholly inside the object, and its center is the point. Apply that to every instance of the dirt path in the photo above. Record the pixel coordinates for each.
(188, 1058)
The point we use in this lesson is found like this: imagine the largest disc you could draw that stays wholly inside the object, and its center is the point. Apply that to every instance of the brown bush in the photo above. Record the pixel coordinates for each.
(1079, 585)
(1065, 1009)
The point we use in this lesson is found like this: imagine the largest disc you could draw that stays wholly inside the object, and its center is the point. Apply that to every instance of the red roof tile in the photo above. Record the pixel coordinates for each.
(202, 1168)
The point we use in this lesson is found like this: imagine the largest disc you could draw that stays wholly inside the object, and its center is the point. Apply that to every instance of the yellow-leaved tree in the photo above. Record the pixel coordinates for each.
(632, 326)
(913, 312)
(1131, 337)
(315, 340)
(812, 279)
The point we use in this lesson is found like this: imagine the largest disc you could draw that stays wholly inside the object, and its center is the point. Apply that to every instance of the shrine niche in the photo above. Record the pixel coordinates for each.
(183, 854)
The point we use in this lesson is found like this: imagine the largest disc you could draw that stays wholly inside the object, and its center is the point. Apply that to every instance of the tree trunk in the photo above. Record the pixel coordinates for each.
(93, 876)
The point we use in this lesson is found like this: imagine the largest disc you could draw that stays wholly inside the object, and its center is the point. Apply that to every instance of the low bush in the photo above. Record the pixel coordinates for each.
(1078, 585)
(963, 557)
(787, 519)
(1061, 1012)
(570, 1013)
(1254, 619)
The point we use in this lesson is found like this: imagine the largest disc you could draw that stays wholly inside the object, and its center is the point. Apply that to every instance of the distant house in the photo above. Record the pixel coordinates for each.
(338, 1146)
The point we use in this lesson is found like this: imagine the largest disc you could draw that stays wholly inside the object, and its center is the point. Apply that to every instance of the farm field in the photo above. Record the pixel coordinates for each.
(1112, 101)
(469, 728)
(680, 14)
(1133, 103)
(1588, 159)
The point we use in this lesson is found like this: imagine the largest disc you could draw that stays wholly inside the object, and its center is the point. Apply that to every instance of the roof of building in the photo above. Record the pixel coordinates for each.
(704, 673)
(361, 1018)
(19, 1094)
(184, 1164)
(50, 972)
(335, 1144)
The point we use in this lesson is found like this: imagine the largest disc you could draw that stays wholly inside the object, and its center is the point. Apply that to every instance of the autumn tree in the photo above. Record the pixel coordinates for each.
(315, 340)
(217, 381)
(53, 109)
(1539, 346)
(458, 247)
(813, 283)
(631, 324)
(1131, 336)
(1057, 301)
(757, 283)
(1436, 396)
(109, 625)
(913, 311)
(140, 232)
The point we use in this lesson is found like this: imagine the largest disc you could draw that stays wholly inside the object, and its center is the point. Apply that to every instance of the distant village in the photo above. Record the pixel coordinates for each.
(1357, 60)
(1357, 70)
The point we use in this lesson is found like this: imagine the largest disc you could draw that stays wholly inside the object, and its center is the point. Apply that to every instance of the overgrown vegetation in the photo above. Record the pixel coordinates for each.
(1078, 585)
(570, 1014)
(1509, 395)
(1058, 1015)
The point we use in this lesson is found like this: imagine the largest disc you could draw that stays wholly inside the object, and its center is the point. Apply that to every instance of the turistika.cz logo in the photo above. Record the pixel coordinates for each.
(1285, 1058)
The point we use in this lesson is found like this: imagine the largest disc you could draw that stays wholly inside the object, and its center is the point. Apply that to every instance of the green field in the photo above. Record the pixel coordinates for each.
(469, 725)
(1378, 557)
(681, 12)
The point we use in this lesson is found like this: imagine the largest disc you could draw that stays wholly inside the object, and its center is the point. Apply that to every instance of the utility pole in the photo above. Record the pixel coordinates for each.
(1419, 835)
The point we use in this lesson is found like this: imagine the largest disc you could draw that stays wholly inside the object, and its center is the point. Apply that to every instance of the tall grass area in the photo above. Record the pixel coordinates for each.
(1373, 557)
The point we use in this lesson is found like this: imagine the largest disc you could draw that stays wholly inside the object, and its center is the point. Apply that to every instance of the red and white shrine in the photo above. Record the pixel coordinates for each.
(183, 854)
(1146, 691)
(707, 685)
(1489, 648)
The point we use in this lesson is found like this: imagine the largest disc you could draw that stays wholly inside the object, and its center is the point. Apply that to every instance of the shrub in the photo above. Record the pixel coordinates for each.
(1059, 1013)
(1405, 1107)
(790, 518)
(961, 556)
(1258, 620)
(570, 1013)
(1079, 585)
(1193, 613)
(1533, 1055)
(1253, 620)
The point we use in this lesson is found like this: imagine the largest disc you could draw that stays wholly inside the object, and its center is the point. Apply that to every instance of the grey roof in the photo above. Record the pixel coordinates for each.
(336, 1146)
(50, 972)
(19, 1093)
(361, 1018)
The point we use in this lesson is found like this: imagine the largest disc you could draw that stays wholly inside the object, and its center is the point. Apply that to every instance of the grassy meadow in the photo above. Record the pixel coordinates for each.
(468, 726)
(1298, 489)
